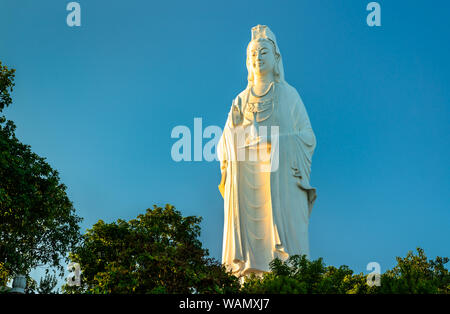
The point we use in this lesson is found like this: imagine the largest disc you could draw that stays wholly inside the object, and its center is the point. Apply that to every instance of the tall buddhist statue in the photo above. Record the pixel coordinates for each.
(265, 154)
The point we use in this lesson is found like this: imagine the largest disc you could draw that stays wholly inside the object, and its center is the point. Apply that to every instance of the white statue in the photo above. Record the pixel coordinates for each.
(267, 201)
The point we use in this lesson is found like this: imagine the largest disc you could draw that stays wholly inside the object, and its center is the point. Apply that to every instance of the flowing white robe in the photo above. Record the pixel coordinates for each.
(266, 215)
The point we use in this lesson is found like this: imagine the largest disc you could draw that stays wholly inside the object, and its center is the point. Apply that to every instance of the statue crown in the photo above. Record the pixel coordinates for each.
(262, 31)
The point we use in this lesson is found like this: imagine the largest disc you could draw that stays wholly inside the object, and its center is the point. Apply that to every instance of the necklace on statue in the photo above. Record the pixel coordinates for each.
(263, 94)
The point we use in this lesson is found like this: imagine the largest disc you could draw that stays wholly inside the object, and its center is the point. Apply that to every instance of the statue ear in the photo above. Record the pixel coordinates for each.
(276, 69)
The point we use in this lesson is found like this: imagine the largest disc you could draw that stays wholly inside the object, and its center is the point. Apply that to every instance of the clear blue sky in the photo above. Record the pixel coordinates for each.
(100, 101)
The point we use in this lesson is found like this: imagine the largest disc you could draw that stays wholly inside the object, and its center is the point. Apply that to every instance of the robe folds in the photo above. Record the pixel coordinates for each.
(266, 215)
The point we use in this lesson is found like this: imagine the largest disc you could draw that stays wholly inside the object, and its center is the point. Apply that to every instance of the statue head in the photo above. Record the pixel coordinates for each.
(263, 55)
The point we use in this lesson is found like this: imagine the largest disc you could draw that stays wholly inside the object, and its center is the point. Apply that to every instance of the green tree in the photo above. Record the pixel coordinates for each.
(38, 224)
(412, 274)
(297, 275)
(158, 252)
(6, 85)
(416, 274)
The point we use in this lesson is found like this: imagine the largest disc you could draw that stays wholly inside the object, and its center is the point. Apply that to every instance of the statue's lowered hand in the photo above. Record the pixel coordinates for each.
(221, 186)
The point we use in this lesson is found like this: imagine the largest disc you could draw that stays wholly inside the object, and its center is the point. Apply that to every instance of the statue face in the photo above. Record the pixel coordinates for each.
(262, 57)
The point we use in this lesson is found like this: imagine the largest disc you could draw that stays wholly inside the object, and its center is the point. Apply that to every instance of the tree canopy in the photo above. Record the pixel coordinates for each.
(413, 274)
(38, 224)
(6, 85)
(158, 252)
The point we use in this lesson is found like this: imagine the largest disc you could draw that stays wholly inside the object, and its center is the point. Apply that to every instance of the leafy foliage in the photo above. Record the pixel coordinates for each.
(158, 252)
(413, 274)
(5, 275)
(6, 85)
(38, 225)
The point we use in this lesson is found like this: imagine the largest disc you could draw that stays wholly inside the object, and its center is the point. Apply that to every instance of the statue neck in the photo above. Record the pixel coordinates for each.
(261, 83)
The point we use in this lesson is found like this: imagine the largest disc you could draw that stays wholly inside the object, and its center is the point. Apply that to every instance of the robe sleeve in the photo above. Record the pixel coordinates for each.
(304, 144)
(223, 156)
(235, 118)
